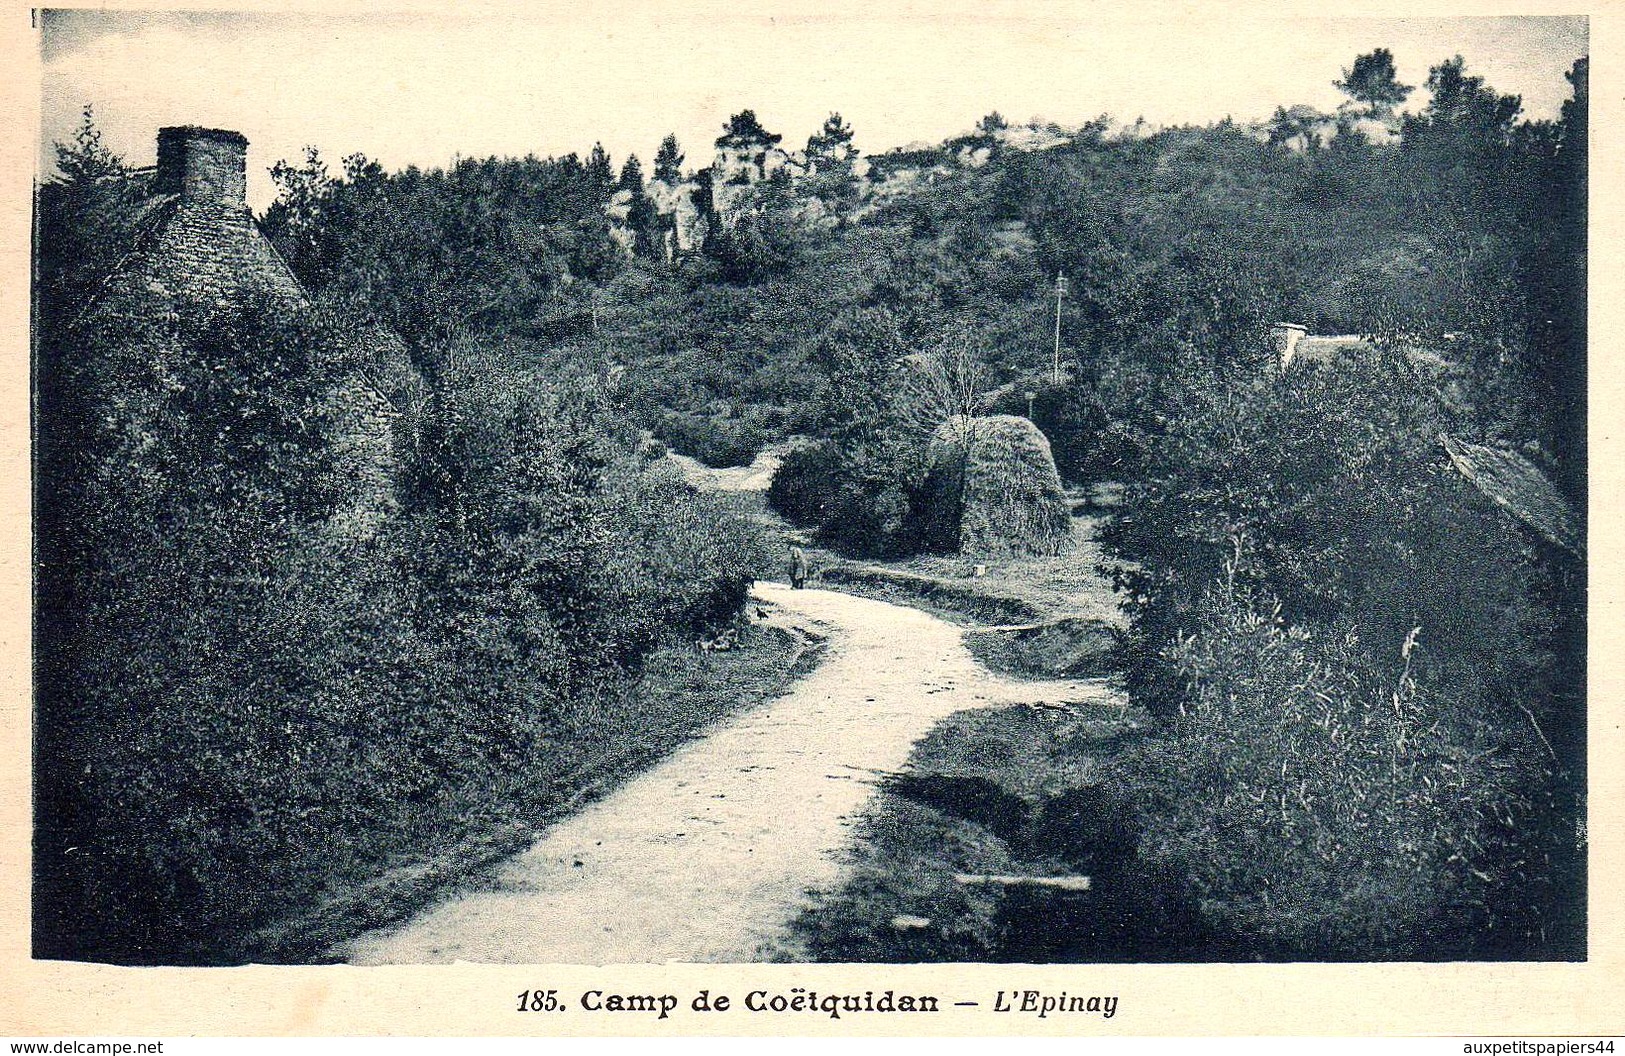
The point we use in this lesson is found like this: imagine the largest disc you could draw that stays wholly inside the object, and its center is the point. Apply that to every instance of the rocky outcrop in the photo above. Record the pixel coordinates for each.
(738, 169)
(685, 224)
(619, 212)
(1303, 128)
(717, 197)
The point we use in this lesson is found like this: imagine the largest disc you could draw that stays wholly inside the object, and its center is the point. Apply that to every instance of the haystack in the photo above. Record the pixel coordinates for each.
(994, 490)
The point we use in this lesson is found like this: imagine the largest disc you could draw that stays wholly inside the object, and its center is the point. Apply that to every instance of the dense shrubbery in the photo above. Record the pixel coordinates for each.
(714, 440)
(1331, 490)
(876, 486)
(489, 245)
(867, 502)
(1188, 241)
(676, 561)
(1324, 803)
(92, 214)
(763, 241)
(1083, 434)
(861, 487)
(1370, 675)
(804, 482)
(268, 661)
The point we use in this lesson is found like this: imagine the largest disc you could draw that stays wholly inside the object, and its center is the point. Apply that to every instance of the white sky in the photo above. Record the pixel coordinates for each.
(422, 88)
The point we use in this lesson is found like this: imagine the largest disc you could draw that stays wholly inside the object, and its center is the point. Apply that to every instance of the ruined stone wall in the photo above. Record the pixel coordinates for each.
(210, 250)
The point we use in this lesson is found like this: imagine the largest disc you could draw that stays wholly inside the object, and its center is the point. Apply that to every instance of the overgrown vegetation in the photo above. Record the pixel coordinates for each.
(1367, 679)
(1372, 678)
(288, 629)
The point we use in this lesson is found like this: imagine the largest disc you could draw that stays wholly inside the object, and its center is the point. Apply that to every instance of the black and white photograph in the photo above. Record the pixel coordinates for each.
(670, 484)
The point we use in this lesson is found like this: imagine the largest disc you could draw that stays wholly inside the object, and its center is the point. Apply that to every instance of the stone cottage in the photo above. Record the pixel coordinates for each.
(206, 246)
(197, 247)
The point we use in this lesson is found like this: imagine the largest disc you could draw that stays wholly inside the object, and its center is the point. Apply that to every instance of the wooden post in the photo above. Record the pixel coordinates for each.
(1060, 291)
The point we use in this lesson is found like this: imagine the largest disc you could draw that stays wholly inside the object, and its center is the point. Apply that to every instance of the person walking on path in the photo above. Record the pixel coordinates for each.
(798, 567)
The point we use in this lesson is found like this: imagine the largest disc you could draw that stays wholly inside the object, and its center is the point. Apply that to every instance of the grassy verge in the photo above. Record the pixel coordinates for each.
(679, 695)
(1027, 617)
(1009, 589)
(963, 603)
(1068, 647)
(1010, 791)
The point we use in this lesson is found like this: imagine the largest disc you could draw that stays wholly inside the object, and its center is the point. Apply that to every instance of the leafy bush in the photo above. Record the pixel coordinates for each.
(1082, 432)
(205, 689)
(93, 219)
(246, 690)
(488, 244)
(677, 559)
(717, 441)
(1330, 491)
(1324, 804)
(866, 501)
(1329, 797)
(805, 483)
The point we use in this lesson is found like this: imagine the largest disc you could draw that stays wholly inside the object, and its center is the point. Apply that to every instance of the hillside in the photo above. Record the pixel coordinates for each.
(1352, 581)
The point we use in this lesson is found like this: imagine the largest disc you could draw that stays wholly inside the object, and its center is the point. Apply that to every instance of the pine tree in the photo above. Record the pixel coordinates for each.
(743, 130)
(632, 175)
(1373, 81)
(87, 159)
(832, 144)
(669, 161)
(600, 171)
(830, 155)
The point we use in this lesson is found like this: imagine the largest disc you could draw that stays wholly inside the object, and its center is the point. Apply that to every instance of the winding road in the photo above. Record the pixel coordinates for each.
(710, 854)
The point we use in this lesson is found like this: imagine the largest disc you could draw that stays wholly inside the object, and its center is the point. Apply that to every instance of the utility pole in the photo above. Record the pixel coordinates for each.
(1060, 291)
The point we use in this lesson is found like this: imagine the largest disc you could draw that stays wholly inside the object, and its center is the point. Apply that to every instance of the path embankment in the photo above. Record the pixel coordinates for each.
(681, 693)
(711, 854)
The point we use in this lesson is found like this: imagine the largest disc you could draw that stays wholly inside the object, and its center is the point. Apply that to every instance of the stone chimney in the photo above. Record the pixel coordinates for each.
(207, 167)
(1284, 339)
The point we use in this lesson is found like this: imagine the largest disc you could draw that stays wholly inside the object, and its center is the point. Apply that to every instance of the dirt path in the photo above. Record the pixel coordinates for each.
(709, 855)
(752, 478)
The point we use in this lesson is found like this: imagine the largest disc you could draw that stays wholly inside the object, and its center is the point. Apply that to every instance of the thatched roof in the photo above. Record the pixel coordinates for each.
(1518, 486)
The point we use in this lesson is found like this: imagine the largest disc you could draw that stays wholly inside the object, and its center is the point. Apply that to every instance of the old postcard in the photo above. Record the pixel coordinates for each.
(672, 519)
